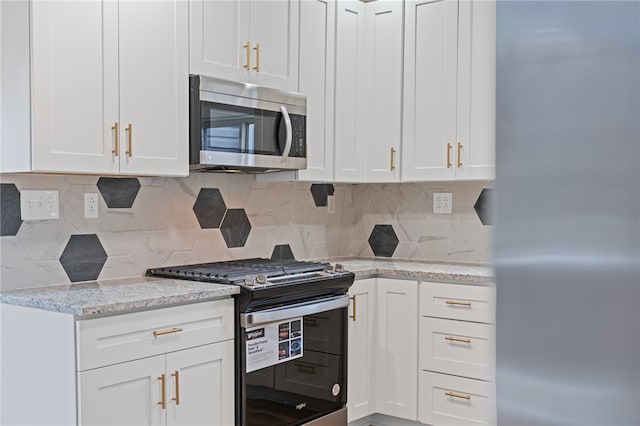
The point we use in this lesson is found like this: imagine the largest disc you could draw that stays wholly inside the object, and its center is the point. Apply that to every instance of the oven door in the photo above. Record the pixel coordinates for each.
(305, 378)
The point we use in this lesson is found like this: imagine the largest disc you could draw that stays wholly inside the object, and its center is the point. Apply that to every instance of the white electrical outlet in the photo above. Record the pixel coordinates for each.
(442, 202)
(39, 204)
(331, 204)
(90, 205)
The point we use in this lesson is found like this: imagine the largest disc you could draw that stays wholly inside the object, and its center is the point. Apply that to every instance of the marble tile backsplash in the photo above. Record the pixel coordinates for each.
(161, 227)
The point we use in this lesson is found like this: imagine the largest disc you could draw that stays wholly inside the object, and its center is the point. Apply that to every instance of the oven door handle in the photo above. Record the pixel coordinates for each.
(293, 311)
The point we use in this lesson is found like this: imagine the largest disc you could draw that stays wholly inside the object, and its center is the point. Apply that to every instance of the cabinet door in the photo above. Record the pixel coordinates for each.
(383, 94)
(317, 54)
(154, 87)
(350, 67)
(476, 90)
(430, 69)
(397, 348)
(219, 42)
(361, 393)
(274, 27)
(74, 86)
(123, 394)
(200, 386)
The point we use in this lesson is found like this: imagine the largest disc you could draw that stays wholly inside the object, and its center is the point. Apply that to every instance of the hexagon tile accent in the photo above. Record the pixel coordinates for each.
(209, 208)
(320, 191)
(282, 252)
(119, 193)
(83, 257)
(383, 240)
(483, 206)
(235, 228)
(10, 220)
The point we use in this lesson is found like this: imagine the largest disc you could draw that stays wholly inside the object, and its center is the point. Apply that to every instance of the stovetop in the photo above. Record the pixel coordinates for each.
(254, 273)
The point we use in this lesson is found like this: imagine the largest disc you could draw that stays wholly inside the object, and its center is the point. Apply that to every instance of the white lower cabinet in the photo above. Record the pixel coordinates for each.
(383, 348)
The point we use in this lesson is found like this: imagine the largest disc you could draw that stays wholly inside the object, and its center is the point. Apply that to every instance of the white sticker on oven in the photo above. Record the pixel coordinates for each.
(273, 343)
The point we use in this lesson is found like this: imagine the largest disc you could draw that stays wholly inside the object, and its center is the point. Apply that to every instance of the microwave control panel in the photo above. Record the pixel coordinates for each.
(298, 139)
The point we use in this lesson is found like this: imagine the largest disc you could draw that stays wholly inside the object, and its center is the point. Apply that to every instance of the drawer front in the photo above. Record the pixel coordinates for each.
(119, 338)
(458, 301)
(454, 401)
(457, 347)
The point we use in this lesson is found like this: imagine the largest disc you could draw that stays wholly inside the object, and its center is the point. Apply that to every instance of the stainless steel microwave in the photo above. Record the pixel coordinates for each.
(243, 127)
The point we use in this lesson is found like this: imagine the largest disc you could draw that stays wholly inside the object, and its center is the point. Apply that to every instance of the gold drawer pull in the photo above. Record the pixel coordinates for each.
(163, 401)
(457, 395)
(457, 303)
(353, 298)
(116, 128)
(129, 131)
(448, 155)
(459, 155)
(170, 331)
(247, 64)
(257, 49)
(393, 159)
(457, 339)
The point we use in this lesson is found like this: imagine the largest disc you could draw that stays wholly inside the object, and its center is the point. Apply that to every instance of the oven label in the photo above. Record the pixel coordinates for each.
(271, 344)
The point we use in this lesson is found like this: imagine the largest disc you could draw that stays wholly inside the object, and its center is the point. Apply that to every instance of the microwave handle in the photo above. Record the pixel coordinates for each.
(293, 311)
(287, 124)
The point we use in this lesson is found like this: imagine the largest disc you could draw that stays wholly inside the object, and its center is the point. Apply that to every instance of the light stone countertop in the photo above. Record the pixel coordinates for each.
(91, 298)
(418, 270)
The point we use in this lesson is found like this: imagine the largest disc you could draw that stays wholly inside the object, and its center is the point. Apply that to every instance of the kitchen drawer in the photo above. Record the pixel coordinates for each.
(454, 401)
(458, 301)
(119, 338)
(457, 347)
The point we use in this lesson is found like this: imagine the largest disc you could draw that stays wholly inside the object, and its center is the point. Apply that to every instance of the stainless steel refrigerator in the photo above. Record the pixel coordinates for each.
(567, 208)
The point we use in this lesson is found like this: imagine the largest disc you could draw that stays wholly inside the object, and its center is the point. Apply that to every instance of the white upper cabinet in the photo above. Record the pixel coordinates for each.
(248, 41)
(110, 90)
(383, 93)
(449, 90)
(350, 87)
(317, 59)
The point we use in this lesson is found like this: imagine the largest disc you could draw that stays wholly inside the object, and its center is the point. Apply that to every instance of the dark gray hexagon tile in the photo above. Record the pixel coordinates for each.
(10, 220)
(119, 193)
(209, 208)
(383, 240)
(83, 257)
(320, 191)
(235, 228)
(484, 206)
(282, 252)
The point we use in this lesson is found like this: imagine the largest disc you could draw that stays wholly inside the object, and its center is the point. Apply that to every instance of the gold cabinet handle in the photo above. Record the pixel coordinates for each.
(129, 131)
(457, 395)
(448, 155)
(459, 155)
(353, 298)
(393, 159)
(257, 49)
(170, 331)
(458, 303)
(116, 129)
(247, 47)
(163, 401)
(177, 382)
(457, 339)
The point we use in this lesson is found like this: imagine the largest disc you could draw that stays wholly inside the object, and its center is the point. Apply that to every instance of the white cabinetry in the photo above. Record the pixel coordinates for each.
(169, 366)
(383, 348)
(361, 381)
(317, 59)
(457, 354)
(110, 90)
(449, 90)
(368, 103)
(249, 41)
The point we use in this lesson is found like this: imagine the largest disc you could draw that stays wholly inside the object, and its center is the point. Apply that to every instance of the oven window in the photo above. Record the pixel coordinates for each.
(244, 130)
(305, 388)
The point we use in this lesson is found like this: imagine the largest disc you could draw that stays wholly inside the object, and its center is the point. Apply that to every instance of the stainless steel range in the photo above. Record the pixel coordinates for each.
(291, 338)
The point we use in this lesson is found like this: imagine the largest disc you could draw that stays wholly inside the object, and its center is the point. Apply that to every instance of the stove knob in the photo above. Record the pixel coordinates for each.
(339, 267)
(249, 281)
(261, 279)
(329, 269)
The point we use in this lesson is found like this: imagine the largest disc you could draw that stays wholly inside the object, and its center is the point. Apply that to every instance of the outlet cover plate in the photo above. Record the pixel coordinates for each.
(90, 205)
(442, 202)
